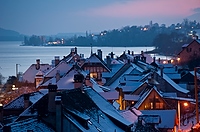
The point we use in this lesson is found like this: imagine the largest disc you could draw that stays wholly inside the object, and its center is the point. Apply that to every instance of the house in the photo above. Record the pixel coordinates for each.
(189, 52)
(34, 71)
(95, 65)
(81, 109)
(168, 119)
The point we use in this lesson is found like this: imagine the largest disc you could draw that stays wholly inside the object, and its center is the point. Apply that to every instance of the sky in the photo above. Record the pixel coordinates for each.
(49, 17)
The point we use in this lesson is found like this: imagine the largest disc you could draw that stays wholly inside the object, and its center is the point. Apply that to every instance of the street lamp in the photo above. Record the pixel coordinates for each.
(196, 93)
(14, 88)
(185, 104)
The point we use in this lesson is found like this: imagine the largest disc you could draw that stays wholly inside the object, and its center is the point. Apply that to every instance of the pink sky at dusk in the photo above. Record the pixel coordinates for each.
(147, 8)
(52, 17)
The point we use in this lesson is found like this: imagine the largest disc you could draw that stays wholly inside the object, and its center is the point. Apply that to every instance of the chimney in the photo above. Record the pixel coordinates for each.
(57, 76)
(1, 113)
(78, 80)
(108, 60)
(51, 95)
(26, 100)
(132, 53)
(121, 98)
(99, 53)
(57, 60)
(58, 113)
(75, 50)
(87, 80)
(37, 64)
(142, 53)
(154, 59)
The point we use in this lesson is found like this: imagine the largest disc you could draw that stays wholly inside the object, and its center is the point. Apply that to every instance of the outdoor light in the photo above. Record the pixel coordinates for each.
(185, 104)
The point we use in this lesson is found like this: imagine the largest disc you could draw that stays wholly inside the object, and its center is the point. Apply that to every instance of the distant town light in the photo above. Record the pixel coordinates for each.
(178, 59)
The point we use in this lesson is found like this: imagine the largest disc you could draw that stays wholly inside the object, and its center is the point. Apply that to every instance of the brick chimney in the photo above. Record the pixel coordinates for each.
(51, 97)
(26, 100)
(87, 81)
(78, 80)
(99, 53)
(108, 61)
(58, 113)
(57, 76)
(37, 64)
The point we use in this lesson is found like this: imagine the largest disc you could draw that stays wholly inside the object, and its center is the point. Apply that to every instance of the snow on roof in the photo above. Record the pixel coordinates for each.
(105, 106)
(137, 112)
(111, 95)
(172, 83)
(30, 73)
(116, 82)
(180, 98)
(169, 94)
(184, 45)
(18, 103)
(174, 76)
(95, 59)
(80, 102)
(67, 82)
(31, 124)
(170, 70)
(62, 67)
(95, 86)
(40, 73)
(130, 116)
(168, 117)
(131, 97)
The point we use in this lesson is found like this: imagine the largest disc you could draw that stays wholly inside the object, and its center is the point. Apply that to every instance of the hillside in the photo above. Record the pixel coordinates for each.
(10, 35)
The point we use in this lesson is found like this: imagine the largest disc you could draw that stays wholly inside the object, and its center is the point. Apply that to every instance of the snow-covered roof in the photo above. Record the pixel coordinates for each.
(30, 73)
(111, 95)
(168, 117)
(130, 116)
(174, 76)
(31, 124)
(18, 103)
(62, 68)
(172, 83)
(89, 105)
(106, 107)
(131, 97)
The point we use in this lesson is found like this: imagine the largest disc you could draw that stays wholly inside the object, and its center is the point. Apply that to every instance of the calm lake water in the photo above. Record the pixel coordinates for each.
(11, 53)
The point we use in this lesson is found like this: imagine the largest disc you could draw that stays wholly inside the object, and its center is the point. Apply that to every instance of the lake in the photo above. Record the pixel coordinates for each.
(11, 53)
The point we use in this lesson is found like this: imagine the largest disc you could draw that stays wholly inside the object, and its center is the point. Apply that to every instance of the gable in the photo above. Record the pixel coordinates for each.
(151, 100)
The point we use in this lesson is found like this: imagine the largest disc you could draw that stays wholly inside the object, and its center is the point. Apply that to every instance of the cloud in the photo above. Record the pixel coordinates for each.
(146, 8)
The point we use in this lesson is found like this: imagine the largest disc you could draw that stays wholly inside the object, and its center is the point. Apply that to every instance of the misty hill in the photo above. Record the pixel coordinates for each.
(10, 35)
